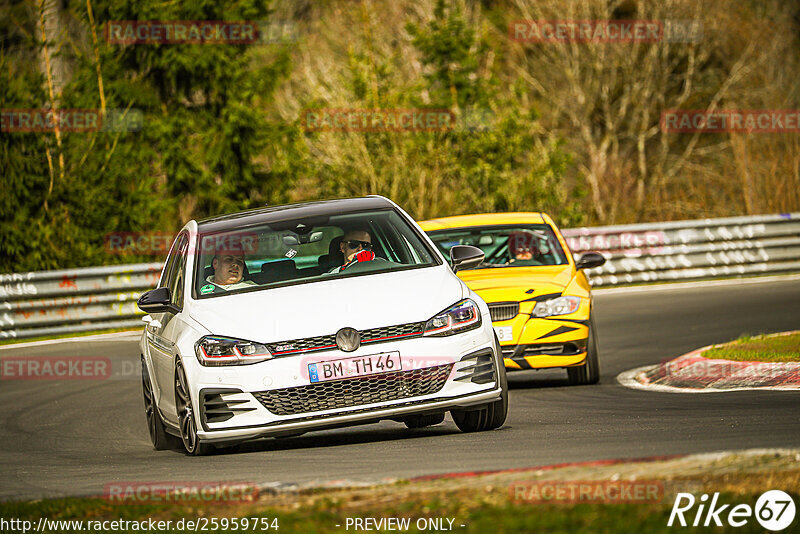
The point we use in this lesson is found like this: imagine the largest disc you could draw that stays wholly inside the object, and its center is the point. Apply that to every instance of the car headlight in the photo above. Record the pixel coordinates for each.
(216, 350)
(456, 319)
(556, 306)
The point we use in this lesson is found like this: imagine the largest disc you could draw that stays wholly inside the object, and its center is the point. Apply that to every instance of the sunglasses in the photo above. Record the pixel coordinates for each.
(366, 245)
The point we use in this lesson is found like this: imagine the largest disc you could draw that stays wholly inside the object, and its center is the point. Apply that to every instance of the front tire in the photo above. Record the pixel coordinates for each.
(186, 420)
(159, 436)
(421, 421)
(589, 372)
(489, 416)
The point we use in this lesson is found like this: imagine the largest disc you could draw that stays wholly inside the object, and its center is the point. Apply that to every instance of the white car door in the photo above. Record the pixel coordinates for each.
(161, 332)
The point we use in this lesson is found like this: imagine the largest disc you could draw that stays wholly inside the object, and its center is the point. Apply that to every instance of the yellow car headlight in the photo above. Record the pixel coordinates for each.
(556, 306)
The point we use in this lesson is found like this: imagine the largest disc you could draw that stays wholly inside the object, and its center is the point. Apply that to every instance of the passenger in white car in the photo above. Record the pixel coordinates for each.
(228, 272)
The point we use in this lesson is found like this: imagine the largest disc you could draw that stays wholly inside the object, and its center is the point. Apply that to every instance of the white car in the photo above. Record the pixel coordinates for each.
(261, 327)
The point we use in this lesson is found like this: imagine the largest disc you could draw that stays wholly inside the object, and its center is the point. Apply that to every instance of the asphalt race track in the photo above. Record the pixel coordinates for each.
(74, 437)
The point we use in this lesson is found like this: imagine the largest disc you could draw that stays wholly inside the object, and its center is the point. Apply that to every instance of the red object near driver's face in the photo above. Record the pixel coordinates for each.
(353, 242)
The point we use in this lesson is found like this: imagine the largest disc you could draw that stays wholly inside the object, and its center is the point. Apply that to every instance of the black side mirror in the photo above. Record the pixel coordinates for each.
(590, 260)
(156, 301)
(465, 257)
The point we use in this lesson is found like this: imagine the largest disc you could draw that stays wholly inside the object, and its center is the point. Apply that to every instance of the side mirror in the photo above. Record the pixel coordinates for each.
(156, 301)
(465, 257)
(590, 260)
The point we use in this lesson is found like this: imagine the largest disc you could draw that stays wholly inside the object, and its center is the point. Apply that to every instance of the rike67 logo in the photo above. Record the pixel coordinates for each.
(774, 510)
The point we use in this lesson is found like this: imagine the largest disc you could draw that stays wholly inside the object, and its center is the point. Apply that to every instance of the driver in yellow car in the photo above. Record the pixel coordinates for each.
(521, 246)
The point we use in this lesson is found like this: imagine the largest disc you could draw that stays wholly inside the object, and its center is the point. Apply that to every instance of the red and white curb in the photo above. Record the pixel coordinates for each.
(692, 373)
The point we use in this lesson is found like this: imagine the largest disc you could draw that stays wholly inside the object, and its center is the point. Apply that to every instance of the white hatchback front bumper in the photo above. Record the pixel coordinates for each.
(277, 397)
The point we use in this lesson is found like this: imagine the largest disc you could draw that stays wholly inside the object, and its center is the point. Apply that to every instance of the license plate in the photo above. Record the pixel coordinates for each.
(504, 333)
(355, 366)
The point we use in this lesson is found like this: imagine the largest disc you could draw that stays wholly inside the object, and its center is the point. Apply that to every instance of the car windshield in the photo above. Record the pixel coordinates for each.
(506, 246)
(305, 250)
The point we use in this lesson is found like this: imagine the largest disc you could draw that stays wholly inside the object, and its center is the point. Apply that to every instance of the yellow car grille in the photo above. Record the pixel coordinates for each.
(503, 311)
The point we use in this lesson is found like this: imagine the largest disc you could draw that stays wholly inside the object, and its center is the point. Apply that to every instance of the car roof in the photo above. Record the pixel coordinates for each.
(482, 219)
(266, 215)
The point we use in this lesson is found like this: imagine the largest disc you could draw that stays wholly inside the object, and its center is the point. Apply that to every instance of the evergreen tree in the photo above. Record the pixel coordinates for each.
(194, 155)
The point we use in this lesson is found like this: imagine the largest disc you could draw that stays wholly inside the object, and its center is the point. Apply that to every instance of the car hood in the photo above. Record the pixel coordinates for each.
(499, 284)
(322, 308)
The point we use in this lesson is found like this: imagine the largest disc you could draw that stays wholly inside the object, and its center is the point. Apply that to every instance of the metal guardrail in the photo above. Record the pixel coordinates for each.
(691, 250)
(50, 303)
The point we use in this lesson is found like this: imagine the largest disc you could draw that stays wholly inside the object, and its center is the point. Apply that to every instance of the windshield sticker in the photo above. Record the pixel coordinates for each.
(208, 288)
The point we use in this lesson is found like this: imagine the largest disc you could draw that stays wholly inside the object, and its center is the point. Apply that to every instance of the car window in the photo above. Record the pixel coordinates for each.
(305, 251)
(168, 274)
(410, 249)
(176, 288)
(507, 246)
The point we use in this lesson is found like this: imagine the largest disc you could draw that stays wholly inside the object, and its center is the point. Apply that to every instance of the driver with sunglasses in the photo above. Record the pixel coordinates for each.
(356, 246)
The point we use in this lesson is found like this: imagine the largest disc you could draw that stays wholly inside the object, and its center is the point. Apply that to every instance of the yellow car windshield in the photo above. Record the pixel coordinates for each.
(507, 245)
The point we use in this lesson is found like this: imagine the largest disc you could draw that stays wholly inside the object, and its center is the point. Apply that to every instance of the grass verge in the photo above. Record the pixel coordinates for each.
(477, 504)
(771, 348)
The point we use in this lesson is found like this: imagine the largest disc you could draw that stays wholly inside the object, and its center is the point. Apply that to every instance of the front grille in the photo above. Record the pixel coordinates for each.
(349, 392)
(561, 349)
(503, 311)
(571, 348)
(387, 333)
(373, 335)
(303, 345)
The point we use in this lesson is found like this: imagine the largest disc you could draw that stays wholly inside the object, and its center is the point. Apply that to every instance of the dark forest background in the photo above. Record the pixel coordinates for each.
(567, 128)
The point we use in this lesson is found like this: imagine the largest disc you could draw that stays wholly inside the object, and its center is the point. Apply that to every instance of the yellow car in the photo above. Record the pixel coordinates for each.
(539, 297)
